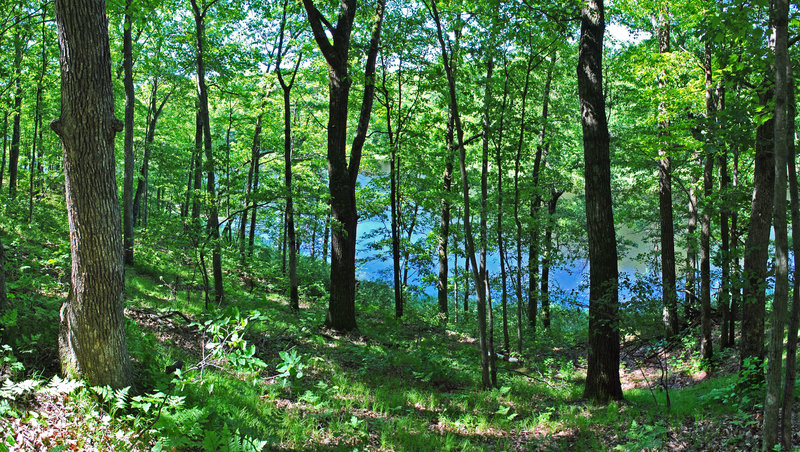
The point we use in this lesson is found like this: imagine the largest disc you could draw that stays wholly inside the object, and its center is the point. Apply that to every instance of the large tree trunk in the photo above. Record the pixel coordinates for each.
(341, 174)
(212, 226)
(130, 101)
(772, 404)
(668, 277)
(757, 243)
(602, 375)
(92, 341)
(469, 240)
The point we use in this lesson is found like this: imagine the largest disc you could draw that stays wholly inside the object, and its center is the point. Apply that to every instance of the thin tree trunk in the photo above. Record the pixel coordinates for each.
(447, 181)
(212, 226)
(517, 221)
(484, 230)
(142, 186)
(736, 273)
(602, 376)
(5, 143)
(706, 345)
(13, 158)
(500, 244)
(130, 101)
(773, 403)
(294, 297)
(547, 257)
(3, 297)
(786, 428)
(92, 343)
(255, 151)
(470, 244)
(533, 246)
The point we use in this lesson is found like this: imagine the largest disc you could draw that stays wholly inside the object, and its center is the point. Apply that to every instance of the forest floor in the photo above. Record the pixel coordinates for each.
(256, 375)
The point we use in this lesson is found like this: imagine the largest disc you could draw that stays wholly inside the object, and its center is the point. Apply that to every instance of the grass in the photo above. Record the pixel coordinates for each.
(397, 385)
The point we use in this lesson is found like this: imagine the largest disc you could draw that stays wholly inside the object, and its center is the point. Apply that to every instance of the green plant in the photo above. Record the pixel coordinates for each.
(291, 366)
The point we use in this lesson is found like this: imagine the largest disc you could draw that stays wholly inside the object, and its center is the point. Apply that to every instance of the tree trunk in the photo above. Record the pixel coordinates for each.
(341, 174)
(255, 151)
(294, 297)
(736, 274)
(756, 247)
(602, 376)
(154, 112)
(668, 290)
(469, 241)
(487, 103)
(447, 181)
(92, 342)
(500, 244)
(13, 158)
(5, 145)
(212, 226)
(706, 345)
(786, 429)
(517, 221)
(773, 403)
(533, 247)
(130, 102)
(3, 297)
(547, 257)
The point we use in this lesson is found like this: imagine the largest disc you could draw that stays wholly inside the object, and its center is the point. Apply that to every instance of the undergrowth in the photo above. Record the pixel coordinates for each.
(254, 375)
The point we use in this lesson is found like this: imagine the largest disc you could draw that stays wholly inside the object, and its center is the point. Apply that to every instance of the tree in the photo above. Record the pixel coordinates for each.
(130, 101)
(602, 376)
(204, 126)
(288, 144)
(92, 340)
(668, 291)
(780, 21)
(342, 175)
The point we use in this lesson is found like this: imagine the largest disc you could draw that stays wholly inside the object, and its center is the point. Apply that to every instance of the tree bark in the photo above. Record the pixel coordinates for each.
(447, 182)
(5, 145)
(130, 102)
(484, 230)
(786, 429)
(3, 296)
(668, 289)
(602, 376)
(212, 226)
(757, 243)
(547, 257)
(341, 174)
(706, 345)
(294, 297)
(154, 112)
(773, 403)
(500, 245)
(13, 157)
(517, 220)
(469, 240)
(92, 342)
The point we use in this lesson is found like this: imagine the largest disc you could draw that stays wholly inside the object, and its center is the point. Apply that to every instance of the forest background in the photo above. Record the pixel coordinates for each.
(267, 145)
